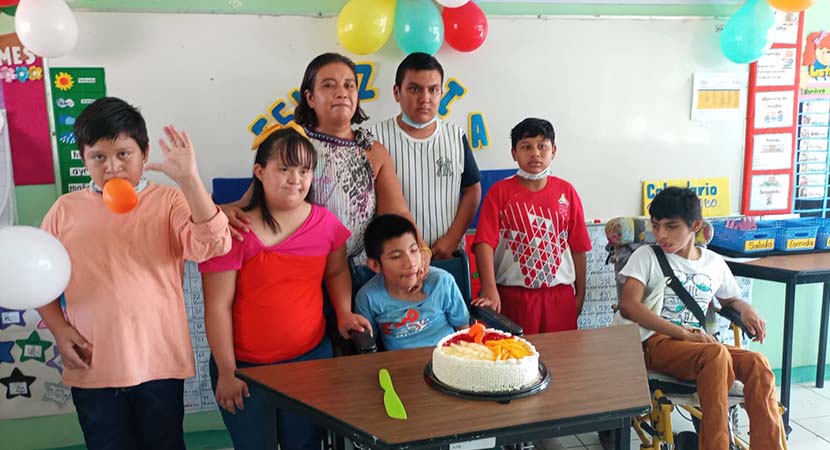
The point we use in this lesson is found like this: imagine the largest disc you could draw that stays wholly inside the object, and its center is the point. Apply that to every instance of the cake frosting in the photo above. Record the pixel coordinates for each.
(485, 360)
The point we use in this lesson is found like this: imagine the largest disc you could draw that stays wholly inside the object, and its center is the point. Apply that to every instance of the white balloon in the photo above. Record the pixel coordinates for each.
(450, 3)
(34, 267)
(46, 27)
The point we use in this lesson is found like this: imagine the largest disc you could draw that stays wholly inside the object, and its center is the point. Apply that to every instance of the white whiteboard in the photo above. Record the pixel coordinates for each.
(618, 90)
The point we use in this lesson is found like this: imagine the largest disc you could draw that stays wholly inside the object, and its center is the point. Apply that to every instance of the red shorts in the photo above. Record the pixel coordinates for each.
(540, 310)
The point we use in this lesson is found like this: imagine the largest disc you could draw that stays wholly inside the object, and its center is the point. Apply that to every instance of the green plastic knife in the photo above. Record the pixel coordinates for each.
(394, 407)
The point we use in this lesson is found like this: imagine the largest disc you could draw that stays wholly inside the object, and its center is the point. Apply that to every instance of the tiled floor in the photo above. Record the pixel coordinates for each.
(809, 419)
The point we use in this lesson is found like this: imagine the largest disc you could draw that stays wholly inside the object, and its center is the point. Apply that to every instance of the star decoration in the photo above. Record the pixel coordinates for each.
(33, 348)
(9, 317)
(17, 384)
(56, 393)
(6, 351)
(56, 362)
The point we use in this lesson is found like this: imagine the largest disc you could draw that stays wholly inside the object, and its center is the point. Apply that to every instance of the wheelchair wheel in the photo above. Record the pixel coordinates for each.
(686, 440)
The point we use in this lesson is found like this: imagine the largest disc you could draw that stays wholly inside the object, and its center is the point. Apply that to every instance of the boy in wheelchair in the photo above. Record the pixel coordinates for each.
(674, 341)
(406, 311)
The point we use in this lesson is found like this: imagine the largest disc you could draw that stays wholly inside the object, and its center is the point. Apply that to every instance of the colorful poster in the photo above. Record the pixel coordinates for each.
(772, 151)
(73, 88)
(816, 60)
(774, 109)
(718, 96)
(21, 74)
(30, 368)
(769, 192)
(785, 30)
(776, 68)
(713, 193)
(198, 394)
(31, 364)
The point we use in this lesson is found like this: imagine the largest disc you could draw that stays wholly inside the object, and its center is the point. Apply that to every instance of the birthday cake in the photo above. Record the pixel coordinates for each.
(485, 360)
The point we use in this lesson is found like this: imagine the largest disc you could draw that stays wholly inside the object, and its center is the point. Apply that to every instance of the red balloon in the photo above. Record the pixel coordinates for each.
(465, 27)
(5, 3)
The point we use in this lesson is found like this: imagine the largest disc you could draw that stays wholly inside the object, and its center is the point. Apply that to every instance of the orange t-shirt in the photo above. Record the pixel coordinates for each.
(278, 301)
(125, 292)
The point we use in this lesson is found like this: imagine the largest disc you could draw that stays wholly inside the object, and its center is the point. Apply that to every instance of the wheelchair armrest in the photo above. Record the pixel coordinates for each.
(492, 319)
(363, 342)
(734, 316)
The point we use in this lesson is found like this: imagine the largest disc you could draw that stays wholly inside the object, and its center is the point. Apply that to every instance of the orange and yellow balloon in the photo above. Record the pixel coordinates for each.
(119, 196)
(791, 5)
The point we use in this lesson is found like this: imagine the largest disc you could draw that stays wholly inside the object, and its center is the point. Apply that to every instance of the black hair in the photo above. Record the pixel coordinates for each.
(109, 118)
(382, 229)
(676, 203)
(416, 62)
(294, 150)
(532, 127)
(303, 113)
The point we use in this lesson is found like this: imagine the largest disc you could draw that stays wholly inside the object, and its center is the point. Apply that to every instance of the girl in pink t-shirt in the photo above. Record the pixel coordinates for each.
(264, 299)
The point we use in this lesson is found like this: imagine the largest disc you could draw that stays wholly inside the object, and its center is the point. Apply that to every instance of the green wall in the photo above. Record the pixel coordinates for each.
(33, 201)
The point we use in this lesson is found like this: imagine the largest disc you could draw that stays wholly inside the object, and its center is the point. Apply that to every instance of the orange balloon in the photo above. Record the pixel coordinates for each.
(791, 5)
(119, 196)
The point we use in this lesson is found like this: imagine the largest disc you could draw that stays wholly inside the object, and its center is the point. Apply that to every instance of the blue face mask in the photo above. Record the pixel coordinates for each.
(405, 119)
(142, 183)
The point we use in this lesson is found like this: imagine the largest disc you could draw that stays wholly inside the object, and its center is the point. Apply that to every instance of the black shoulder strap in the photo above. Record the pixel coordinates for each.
(677, 287)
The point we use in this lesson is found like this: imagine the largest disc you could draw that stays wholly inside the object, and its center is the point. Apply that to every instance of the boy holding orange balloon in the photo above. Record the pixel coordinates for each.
(125, 342)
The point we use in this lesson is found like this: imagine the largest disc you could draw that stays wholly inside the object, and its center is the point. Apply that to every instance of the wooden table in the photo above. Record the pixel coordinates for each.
(598, 381)
(793, 270)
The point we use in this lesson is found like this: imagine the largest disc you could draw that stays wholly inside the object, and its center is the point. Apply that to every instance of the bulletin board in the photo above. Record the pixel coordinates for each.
(811, 190)
(772, 121)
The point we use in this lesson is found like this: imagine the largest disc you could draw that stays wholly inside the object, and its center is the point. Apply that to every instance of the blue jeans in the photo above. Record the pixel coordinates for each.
(248, 428)
(147, 416)
(361, 274)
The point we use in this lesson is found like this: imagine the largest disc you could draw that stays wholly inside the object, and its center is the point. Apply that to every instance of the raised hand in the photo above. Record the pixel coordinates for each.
(179, 158)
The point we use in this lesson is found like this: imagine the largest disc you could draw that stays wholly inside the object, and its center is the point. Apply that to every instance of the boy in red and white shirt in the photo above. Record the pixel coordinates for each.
(531, 239)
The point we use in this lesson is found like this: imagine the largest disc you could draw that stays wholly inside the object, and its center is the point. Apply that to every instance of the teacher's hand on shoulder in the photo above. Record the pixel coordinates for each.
(237, 219)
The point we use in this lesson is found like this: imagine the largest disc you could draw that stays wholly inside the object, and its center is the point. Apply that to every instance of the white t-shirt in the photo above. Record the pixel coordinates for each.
(707, 279)
(432, 171)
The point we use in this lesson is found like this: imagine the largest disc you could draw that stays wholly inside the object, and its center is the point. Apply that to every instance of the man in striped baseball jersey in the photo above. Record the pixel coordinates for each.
(433, 159)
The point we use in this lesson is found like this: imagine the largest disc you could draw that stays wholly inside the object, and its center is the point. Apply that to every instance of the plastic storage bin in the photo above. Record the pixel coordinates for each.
(792, 235)
(823, 233)
(743, 241)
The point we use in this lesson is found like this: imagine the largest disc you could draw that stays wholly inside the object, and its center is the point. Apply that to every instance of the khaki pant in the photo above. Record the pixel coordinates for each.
(714, 367)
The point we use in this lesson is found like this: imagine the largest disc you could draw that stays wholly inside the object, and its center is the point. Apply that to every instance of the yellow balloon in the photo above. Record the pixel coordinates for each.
(791, 5)
(365, 25)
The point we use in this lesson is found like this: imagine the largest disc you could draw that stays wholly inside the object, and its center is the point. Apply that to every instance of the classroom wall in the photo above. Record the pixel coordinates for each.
(620, 118)
(332, 7)
(33, 201)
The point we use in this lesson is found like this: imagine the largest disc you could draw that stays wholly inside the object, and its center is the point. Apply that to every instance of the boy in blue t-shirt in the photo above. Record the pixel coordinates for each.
(406, 311)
